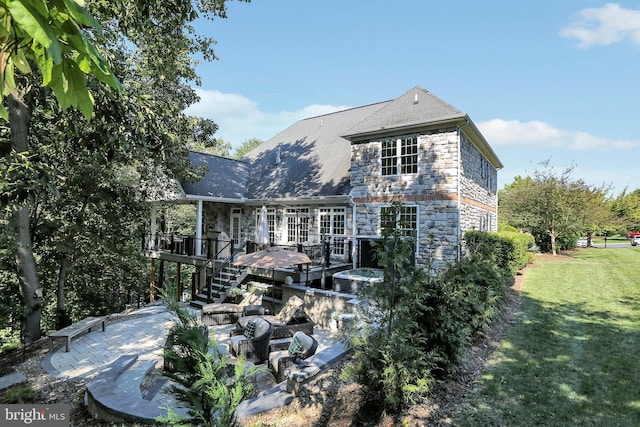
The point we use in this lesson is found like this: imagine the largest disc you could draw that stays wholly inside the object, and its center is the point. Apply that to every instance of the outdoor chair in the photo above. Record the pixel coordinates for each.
(253, 341)
(290, 319)
(228, 313)
(301, 347)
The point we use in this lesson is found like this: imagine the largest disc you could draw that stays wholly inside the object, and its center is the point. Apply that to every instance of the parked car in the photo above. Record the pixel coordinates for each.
(582, 243)
(635, 241)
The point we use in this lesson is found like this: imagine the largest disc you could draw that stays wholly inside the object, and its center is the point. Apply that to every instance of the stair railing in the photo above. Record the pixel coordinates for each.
(217, 271)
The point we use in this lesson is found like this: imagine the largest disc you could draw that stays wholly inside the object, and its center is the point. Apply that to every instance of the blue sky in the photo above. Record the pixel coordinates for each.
(550, 79)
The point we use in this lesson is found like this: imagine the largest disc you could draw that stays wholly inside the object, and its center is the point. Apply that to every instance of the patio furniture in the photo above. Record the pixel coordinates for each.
(290, 319)
(228, 313)
(299, 348)
(253, 341)
(78, 328)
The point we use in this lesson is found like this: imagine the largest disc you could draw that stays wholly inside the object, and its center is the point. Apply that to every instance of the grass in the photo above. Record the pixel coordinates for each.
(571, 356)
(611, 239)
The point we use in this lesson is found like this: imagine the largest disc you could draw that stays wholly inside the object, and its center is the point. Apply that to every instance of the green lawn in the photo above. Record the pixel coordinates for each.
(572, 356)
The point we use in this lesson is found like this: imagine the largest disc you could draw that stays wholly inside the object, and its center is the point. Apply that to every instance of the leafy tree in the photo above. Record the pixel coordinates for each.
(626, 209)
(49, 35)
(82, 185)
(551, 204)
(247, 146)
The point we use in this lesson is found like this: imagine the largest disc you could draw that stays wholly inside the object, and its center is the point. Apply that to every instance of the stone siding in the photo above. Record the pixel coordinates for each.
(479, 189)
(442, 216)
(433, 190)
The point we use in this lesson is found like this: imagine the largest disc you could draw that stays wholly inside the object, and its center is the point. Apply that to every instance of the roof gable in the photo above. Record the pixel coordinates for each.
(224, 179)
(412, 111)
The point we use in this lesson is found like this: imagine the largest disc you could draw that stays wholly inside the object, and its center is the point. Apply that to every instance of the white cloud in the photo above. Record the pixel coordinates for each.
(540, 135)
(605, 25)
(240, 118)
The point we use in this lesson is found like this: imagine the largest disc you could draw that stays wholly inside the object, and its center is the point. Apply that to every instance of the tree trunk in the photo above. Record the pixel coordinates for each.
(25, 262)
(62, 319)
(553, 243)
(62, 275)
(27, 273)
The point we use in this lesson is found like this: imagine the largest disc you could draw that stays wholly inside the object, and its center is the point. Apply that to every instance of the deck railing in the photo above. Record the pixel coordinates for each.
(338, 248)
(181, 244)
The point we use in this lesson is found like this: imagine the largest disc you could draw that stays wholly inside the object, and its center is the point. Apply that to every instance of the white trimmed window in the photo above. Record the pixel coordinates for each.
(406, 220)
(399, 156)
(486, 173)
(333, 226)
(297, 225)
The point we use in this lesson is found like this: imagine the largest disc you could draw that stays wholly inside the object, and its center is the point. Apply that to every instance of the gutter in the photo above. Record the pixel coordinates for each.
(215, 199)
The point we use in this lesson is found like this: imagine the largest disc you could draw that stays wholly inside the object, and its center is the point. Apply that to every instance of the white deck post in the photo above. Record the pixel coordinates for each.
(199, 229)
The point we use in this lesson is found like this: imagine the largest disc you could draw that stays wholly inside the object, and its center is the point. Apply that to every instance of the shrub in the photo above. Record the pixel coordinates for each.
(389, 360)
(21, 393)
(392, 368)
(477, 292)
(204, 381)
(506, 249)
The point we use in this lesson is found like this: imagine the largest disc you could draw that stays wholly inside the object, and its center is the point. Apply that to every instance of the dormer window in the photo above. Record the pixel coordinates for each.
(399, 156)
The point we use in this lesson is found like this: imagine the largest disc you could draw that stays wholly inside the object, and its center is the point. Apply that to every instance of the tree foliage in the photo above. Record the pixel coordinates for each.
(86, 183)
(551, 204)
(389, 360)
(247, 146)
(204, 380)
(626, 209)
(53, 36)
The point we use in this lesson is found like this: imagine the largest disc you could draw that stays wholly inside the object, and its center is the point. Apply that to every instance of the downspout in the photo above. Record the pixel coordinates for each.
(354, 223)
(459, 184)
(199, 229)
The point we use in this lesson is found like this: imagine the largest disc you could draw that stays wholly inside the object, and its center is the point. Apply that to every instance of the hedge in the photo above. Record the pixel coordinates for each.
(507, 249)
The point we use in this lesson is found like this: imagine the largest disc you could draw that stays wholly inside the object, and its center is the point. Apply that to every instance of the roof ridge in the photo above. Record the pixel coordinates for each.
(346, 109)
(218, 156)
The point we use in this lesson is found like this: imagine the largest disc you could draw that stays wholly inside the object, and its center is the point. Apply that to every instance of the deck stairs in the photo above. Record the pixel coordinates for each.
(218, 284)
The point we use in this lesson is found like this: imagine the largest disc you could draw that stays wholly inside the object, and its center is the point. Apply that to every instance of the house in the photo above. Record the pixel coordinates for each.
(329, 179)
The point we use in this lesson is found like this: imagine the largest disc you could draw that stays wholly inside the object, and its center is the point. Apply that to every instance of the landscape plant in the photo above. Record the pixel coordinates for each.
(508, 250)
(553, 206)
(389, 360)
(204, 381)
(415, 325)
(74, 192)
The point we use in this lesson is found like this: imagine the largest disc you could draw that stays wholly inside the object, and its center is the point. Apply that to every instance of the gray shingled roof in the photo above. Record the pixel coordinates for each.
(311, 159)
(225, 178)
(314, 158)
(412, 111)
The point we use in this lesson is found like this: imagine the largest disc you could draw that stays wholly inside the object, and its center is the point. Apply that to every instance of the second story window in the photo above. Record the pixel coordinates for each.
(399, 156)
(486, 173)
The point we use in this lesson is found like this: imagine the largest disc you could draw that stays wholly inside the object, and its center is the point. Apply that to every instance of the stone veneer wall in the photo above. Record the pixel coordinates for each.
(433, 189)
(479, 193)
(320, 304)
